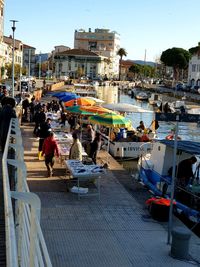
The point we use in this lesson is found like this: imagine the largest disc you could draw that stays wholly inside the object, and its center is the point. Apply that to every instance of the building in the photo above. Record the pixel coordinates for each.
(102, 42)
(77, 63)
(29, 60)
(194, 66)
(2, 46)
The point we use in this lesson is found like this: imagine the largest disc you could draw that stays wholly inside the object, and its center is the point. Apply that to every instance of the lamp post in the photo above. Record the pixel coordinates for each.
(29, 63)
(39, 74)
(13, 56)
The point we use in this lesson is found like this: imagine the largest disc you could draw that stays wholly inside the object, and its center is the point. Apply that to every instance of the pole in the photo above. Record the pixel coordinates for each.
(13, 56)
(173, 182)
(29, 63)
(40, 65)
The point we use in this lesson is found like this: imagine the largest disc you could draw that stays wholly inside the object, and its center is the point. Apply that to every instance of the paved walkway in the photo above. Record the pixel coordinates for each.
(115, 231)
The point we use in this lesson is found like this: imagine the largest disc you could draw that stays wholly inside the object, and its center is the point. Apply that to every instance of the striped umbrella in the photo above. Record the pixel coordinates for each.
(96, 109)
(77, 110)
(81, 101)
(111, 120)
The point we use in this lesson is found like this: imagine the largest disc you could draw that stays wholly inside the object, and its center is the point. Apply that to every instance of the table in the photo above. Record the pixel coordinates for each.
(84, 173)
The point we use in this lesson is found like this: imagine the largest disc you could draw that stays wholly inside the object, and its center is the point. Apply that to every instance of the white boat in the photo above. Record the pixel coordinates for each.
(154, 99)
(124, 148)
(154, 173)
(83, 89)
(142, 96)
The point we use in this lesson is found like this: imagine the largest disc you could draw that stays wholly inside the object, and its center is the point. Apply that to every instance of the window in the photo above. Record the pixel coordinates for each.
(193, 67)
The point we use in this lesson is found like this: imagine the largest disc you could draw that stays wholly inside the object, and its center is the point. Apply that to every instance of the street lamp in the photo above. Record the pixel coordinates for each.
(13, 57)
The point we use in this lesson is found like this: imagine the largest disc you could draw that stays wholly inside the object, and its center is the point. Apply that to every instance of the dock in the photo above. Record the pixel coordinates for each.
(115, 231)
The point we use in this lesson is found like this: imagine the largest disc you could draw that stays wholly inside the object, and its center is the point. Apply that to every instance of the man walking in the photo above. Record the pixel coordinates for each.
(49, 150)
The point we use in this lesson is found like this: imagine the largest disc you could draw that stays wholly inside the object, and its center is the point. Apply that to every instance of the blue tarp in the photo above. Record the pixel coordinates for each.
(189, 147)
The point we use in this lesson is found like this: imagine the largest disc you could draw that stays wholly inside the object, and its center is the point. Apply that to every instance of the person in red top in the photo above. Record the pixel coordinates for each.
(50, 149)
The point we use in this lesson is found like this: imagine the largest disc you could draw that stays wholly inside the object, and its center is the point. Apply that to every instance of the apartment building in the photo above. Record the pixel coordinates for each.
(76, 63)
(29, 60)
(103, 42)
(2, 46)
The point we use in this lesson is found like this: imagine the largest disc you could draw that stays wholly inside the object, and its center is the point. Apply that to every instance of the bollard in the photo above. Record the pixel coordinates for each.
(180, 243)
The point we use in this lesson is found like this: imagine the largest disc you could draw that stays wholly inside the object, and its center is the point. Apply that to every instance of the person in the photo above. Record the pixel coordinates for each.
(88, 138)
(141, 126)
(45, 128)
(185, 172)
(49, 150)
(95, 147)
(25, 106)
(6, 114)
(76, 148)
(145, 137)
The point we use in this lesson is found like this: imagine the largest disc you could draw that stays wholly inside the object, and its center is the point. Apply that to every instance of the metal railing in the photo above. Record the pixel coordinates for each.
(25, 244)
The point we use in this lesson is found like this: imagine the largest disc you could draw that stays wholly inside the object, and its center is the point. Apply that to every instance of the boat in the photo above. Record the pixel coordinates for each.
(128, 144)
(154, 174)
(142, 96)
(154, 100)
(83, 89)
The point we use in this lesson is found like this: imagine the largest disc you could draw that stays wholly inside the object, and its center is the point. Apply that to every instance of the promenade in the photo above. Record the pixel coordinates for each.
(113, 232)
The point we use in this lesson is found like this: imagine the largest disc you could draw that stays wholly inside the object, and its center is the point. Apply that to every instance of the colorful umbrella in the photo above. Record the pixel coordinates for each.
(60, 94)
(111, 120)
(80, 102)
(77, 110)
(96, 109)
(68, 97)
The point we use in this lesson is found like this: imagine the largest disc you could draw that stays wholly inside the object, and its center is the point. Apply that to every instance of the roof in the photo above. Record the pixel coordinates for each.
(77, 52)
(189, 147)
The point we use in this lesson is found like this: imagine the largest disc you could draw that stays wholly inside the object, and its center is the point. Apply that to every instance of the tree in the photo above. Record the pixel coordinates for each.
(177, 58)
(121, 52)
(136, 69)
(8, 68)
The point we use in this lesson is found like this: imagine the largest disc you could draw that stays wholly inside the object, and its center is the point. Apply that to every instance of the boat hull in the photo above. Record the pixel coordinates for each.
(131, 150)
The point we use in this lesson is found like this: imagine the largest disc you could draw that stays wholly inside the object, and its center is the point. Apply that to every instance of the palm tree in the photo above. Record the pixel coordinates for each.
(121, 52)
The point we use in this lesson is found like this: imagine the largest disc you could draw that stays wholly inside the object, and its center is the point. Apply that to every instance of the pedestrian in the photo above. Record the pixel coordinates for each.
(49, 151)
(45, 128)
(6, 114)
(95, 147)
(76, 148)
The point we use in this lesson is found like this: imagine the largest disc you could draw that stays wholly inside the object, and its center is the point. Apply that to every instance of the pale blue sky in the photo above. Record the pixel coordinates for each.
(154, 25)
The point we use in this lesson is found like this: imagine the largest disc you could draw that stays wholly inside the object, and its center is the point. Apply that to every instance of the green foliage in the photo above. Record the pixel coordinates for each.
(142, 70)
(175, 57)
(121, 52)
(195, 50)
(8, 68)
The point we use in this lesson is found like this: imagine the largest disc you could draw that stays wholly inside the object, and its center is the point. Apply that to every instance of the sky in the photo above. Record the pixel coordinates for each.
(144, 25)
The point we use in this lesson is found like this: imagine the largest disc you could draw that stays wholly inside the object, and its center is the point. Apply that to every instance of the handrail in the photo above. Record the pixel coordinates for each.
(25, 245)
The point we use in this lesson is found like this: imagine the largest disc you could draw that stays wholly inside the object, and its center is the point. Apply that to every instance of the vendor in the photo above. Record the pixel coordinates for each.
(141, 126)
(185, 172)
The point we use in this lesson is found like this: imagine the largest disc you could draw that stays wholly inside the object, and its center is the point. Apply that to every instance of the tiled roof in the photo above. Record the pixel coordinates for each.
(78, 52)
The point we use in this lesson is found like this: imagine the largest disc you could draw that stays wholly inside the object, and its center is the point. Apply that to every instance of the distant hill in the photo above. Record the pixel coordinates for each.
(141, 62)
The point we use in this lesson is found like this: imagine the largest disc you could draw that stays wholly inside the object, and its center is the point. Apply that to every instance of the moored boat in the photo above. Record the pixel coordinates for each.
(142, 96)
(154, 173)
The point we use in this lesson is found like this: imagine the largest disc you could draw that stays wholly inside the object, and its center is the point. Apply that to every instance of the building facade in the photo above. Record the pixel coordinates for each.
(29, 60)
(2, 46)
(102, 42)
(76, 63)
(194, 70)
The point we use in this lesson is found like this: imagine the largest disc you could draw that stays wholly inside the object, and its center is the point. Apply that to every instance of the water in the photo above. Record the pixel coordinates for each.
(187, 131)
